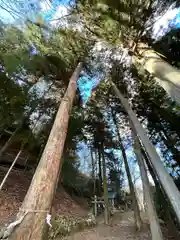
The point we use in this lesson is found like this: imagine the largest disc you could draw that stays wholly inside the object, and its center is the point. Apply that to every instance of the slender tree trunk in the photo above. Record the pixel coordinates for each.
(38, 200)
(168, 141)
(93, 170)
(169, 144)
(165, 74)
(163, 198)
(1, 134)
(152, 214)
(11, 167)
(25, 162)
(100, 171)
(9, 142)
(136, 209)
(166, 181)
(105, 188)
(137, 215)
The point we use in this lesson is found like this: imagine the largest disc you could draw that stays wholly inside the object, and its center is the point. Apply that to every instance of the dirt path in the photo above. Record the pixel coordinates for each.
(120, 228)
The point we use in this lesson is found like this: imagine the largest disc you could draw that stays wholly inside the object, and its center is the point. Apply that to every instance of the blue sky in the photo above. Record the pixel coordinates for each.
(171, 19)
(52, 9)
(49, 9)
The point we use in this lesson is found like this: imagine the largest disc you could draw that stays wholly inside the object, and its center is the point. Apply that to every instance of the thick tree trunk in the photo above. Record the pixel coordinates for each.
(38, 200)
(105, 188)
(165, 74)
(152, 214)
(9, 142)
(166, 181)
(136, 209)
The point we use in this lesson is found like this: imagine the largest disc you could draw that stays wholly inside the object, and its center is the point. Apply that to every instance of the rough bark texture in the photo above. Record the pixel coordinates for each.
(165, 179)
(165, 74)
(105, 188)
(152, 214)
(136, 209)
(41, 191)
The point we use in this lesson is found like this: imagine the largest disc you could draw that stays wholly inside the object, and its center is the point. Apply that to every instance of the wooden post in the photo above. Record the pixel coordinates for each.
(96, 202)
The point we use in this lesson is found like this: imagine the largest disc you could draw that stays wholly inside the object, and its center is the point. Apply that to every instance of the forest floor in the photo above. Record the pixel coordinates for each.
(14, 192)
(121, 227)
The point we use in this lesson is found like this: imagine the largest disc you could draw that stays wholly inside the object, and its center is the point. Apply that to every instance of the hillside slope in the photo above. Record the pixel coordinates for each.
(14, 192)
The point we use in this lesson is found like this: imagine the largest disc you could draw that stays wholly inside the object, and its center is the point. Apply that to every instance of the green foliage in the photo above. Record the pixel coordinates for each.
(115, 21)
(14, 48)
(58, 52)
(169, 46)
(64, 225)
(12, 101)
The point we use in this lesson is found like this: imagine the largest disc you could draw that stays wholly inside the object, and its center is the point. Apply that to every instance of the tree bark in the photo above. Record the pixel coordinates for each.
(100, 170)
(163, 198)
(9, 142)
(165, 179)
(165, 74)
(152, 214)
(105, 188)
(38, 200)
(136, 209)
(93, 171)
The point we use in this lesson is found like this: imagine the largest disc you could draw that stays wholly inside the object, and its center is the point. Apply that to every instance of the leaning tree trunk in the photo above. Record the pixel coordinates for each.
(152, 214)
(38, 200)
(9, 142)
(165, 179)
(11, 167)
(136, 209)
(165, 74)
(162, 196)
(105, 188)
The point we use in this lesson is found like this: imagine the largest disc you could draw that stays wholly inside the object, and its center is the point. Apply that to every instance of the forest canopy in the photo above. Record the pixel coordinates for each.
(125, 115)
